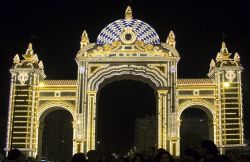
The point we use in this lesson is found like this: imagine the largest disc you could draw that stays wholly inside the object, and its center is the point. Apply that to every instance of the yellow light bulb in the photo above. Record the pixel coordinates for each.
(226, 84)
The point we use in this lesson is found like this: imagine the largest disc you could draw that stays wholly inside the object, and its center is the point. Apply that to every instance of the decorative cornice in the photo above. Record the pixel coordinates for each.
(195, 81)
(59, 82)
(120, 50)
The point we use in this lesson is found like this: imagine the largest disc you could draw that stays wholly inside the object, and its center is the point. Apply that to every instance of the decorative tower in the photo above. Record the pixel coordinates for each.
(226, 73)
(22, 122)
(173, 139)
(80, 138)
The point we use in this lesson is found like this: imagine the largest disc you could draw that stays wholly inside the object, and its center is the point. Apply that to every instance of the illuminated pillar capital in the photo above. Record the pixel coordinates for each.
(91, 120)
(162, 92)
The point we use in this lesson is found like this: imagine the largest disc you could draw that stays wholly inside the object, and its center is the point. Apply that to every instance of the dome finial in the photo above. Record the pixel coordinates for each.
(84, 39)
(30, 46)
(128, 13)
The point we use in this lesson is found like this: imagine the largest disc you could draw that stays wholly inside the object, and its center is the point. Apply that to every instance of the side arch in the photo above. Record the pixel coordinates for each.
(204, 105)
(43, 111)
(50, 106)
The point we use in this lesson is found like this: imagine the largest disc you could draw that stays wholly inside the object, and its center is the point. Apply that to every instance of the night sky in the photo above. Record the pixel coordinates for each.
(55, 27)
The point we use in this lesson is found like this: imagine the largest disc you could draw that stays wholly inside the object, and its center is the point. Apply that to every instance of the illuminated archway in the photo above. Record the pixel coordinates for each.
(201, 104)
(50, 106)
(206, 107)
(195, 126)
(149, 75)
(47, 108)
(152, 76)
(57, 136)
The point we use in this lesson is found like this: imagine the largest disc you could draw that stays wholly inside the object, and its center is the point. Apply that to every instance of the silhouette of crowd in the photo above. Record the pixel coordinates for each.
(205, 152)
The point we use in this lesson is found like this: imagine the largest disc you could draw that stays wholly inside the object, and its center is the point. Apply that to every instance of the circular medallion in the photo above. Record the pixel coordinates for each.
(128, 36)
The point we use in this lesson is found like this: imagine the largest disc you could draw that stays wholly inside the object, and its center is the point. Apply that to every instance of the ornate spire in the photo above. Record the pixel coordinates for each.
(29, 53)
(128, 13)
(84, 39)
(41, 65)
(236, 57)
(218, 57)
(212, 64)
(35, 58)
(223, 54)
(171, 39)
(16, 59)
(224, 48)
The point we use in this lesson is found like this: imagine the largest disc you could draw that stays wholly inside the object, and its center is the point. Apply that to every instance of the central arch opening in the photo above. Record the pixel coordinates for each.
(126, 118)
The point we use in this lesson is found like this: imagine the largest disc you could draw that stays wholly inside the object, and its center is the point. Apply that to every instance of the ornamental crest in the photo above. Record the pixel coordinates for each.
(230, 75)
(23, 77)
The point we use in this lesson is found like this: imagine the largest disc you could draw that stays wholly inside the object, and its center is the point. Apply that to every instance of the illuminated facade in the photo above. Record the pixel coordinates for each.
(125, 49)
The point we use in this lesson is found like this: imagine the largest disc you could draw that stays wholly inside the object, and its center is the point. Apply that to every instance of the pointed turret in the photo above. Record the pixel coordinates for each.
(224, 63)
(30, 61)
(224, 51)
(41, 65)
(212, 64)
(28, 56)
(223, 48)
(128, 13)
(35, 58)
(218, 57)
(236, 57)
(16, 59)
(84, 39)
(171, 39)
(223, 54)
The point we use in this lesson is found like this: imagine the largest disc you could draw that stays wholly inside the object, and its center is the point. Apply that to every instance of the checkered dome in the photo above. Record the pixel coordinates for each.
(143, 32)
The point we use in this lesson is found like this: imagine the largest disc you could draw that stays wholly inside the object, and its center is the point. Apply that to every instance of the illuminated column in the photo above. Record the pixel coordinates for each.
(178, 137)
(75, 148)
(10, 115)
(162, 118)
(81, 123)
(212, 129)
(39, 140)
(78, 139)
(33, 117)
(78, 135)
(91, 120)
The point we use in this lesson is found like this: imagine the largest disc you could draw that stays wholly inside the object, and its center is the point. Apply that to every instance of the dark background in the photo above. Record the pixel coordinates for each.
(55, 27)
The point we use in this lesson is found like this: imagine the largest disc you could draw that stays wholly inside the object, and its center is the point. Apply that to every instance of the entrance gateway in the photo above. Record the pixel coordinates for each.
(126, 47)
